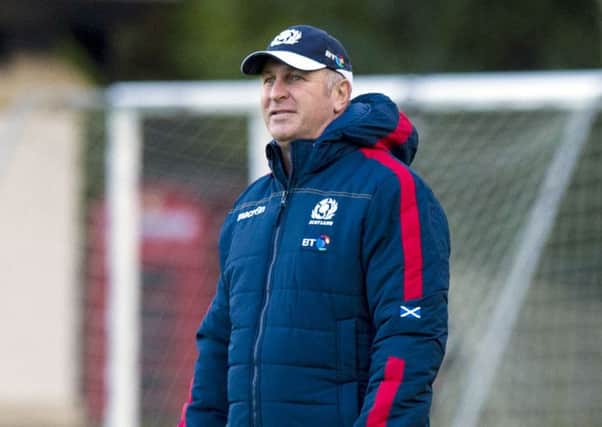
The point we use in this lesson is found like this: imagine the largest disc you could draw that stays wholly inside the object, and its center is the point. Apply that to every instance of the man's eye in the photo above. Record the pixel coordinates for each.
(296, 77)
(268, 80)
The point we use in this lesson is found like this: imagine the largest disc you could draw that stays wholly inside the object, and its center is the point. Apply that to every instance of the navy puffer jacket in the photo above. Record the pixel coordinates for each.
(331, 309)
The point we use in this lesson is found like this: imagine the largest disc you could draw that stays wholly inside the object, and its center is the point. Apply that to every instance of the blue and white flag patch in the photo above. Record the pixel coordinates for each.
(409, 312)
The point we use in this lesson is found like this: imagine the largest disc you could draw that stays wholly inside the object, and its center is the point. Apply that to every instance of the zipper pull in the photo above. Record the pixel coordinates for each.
(283, 198)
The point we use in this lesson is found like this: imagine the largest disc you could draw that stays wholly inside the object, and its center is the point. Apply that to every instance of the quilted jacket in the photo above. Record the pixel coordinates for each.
(331, 309)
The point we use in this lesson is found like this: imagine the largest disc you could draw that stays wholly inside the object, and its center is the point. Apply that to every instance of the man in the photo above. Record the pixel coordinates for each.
(331, 309)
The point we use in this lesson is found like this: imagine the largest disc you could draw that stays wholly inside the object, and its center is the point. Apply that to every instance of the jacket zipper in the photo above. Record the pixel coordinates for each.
(268, 286)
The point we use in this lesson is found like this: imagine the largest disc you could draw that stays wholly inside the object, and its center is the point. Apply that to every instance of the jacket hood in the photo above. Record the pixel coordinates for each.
(373, 120)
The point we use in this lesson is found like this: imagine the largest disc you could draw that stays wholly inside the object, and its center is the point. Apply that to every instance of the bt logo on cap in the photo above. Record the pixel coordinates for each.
(339, 60)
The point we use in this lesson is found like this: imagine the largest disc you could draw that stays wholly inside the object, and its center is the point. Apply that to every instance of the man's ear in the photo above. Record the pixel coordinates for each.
(342, 94)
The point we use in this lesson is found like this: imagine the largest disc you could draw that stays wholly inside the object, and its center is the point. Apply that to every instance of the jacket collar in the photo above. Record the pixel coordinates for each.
(371, 120)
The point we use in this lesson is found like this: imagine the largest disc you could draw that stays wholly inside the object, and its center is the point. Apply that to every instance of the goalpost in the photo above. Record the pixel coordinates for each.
(471, 101)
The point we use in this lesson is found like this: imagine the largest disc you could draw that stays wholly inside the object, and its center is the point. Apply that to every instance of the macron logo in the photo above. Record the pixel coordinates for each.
(248, 214)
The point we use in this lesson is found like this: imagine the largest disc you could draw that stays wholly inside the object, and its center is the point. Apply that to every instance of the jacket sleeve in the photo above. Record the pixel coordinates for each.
(406, 260)
(207, 405)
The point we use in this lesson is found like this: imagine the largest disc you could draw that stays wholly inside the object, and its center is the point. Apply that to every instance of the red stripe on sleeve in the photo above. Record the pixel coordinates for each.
(385, 395)
(409, 220)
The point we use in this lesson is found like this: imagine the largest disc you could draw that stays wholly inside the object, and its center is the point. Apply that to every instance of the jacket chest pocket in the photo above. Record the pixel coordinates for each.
(328, 242)
(252, 231)
(327, 261)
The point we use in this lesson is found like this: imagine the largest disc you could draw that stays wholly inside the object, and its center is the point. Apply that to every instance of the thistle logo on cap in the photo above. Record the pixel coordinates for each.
(286, 37)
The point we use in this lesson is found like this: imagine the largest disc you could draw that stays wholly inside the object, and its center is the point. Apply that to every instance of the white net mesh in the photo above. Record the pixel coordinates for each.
(193, 168)
(552, 369)
(488, 169)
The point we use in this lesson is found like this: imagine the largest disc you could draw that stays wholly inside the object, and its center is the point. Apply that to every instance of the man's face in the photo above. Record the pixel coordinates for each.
(295, 104)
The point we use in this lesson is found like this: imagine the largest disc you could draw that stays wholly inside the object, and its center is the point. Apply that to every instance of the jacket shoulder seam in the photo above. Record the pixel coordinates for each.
(250, 203)
(310, 190)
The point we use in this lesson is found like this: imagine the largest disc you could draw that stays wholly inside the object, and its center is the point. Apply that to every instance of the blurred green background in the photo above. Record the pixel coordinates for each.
(200, 39)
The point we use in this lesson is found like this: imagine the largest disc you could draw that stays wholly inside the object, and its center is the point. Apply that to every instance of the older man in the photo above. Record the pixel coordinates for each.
(331, 309)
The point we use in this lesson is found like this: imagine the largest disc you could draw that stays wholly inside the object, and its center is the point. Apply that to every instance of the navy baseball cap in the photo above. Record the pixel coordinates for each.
(305, 48)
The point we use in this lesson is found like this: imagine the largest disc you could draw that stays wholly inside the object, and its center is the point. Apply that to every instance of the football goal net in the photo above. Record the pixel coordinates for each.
(515, 159)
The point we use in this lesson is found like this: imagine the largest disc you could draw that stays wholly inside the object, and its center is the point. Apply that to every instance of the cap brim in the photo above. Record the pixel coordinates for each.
(253, 63)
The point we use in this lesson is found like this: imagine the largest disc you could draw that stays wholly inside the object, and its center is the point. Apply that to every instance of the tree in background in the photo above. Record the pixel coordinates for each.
(206, 39)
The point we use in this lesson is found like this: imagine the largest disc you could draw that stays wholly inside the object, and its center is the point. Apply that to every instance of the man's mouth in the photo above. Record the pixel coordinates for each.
(280, 112)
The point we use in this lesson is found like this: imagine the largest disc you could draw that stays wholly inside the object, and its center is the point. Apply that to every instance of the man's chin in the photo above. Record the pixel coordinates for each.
(281, 134)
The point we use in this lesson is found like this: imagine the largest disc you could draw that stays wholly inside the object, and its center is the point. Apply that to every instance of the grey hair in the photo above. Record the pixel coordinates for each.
(332, 78)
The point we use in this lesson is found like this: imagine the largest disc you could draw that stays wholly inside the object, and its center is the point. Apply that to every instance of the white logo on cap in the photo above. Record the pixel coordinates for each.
(286, 37)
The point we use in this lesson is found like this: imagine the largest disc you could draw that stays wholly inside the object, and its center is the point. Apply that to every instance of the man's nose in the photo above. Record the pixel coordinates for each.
(279, 90)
